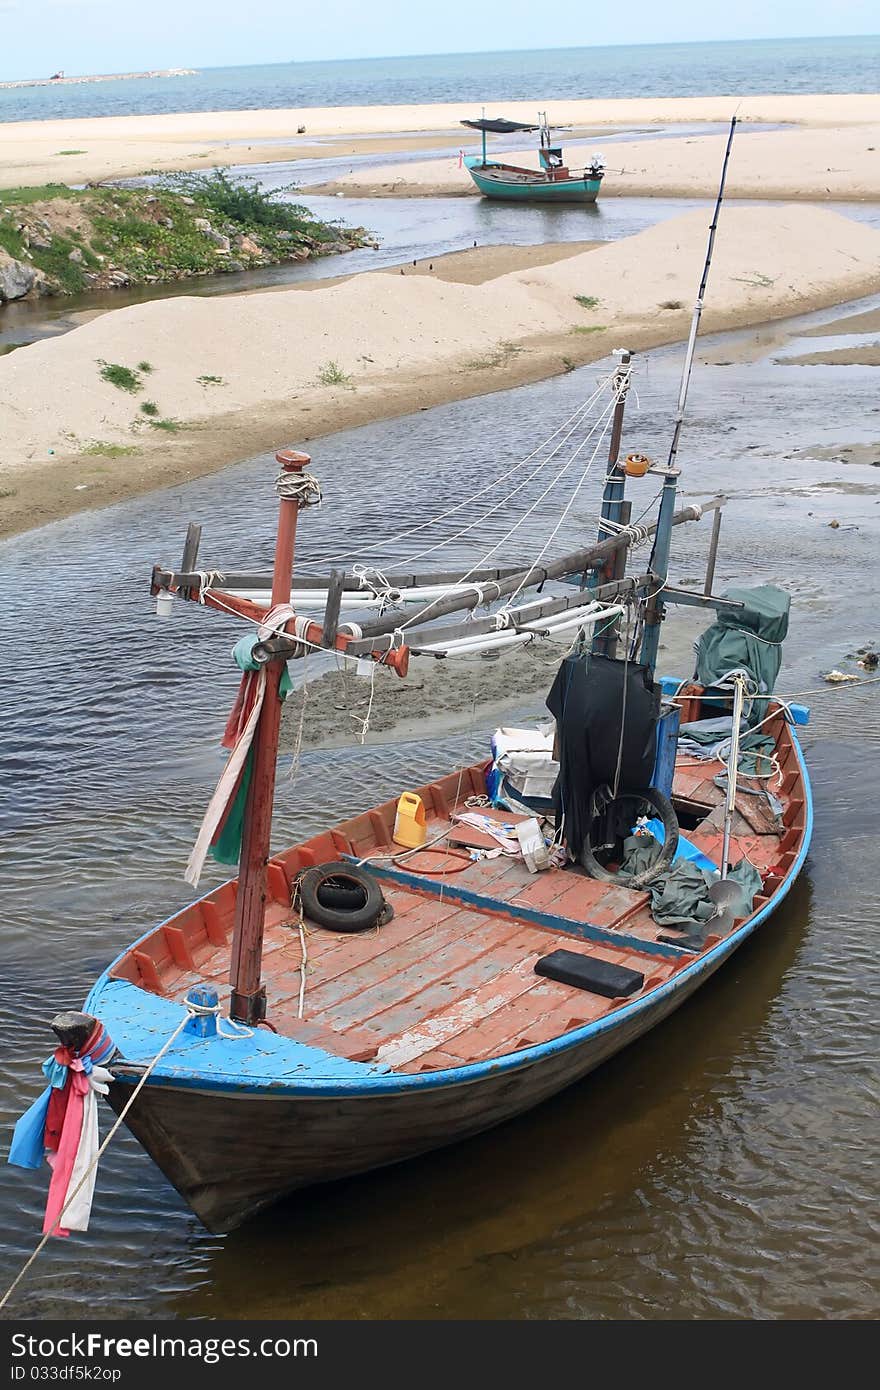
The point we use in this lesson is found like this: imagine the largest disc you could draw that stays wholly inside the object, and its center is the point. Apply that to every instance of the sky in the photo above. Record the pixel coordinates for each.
(93, 36)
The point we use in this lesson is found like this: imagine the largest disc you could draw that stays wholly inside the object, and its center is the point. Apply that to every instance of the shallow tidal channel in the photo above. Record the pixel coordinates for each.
(721, 1167)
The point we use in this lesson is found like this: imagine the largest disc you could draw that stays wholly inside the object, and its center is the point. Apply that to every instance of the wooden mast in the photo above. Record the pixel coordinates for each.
(248, 997)
(614, 508)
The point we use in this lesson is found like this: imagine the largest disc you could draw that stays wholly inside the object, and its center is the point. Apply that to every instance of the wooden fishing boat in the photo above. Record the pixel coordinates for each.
(466, 966)
(552, 182)
(420, 1034)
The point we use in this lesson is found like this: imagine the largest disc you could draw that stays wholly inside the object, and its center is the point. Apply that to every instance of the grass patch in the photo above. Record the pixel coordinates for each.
(100, 449)
(590, 328)
(568, 365)
(8, 492)
(40, 194)
(331, 374)
(124, 378)
(169, 426)
(672, 304)
(210, 381)
(498, 358)
(587, 301)
(149, 408)
(71, 152)
(145, 367)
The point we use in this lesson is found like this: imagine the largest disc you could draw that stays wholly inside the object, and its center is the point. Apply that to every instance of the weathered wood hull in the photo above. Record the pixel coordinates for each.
(295, 1141)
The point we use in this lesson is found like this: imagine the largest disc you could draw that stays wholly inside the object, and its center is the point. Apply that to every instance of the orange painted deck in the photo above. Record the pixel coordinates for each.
(447, 982)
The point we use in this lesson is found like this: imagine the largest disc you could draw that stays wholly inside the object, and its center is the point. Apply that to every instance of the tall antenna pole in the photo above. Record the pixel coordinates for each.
(659, 561)
(698, 307)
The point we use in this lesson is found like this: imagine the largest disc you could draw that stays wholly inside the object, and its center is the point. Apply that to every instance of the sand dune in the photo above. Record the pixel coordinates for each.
(240, 361)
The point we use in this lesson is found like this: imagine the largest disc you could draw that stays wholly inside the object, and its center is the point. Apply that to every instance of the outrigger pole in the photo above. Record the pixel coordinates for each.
(659, 561)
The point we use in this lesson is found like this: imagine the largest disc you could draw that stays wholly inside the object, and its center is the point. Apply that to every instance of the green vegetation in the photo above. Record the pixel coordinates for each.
(145, 367)
(590, 328)
(331, 374)
(70, 151)
(587, 301)
(19, 197)
(170, 426)
(122, 377)
(498, 358)
(568, 365)
(184, 225)
(210, 381)
(149, 408)
(101, 449)
(8, 492)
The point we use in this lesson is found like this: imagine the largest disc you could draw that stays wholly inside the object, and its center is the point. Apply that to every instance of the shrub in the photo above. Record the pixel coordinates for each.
(122, 377)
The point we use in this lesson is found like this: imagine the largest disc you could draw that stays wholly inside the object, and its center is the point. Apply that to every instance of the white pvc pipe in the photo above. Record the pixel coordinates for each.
(493, 641)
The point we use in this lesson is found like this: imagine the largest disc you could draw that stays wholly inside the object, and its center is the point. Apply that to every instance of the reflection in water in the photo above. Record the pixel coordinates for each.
(721, 1167)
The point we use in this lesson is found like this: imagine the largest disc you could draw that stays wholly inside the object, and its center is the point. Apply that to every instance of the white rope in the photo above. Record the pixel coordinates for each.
(576, 417)
(440, 545)
(302, 488)
(602, 420)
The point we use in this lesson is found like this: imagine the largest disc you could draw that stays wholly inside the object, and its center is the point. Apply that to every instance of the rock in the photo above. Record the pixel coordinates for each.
(232, 266)
(202, 224)
(301, 253)
(247, 245)
(76, 256)
(221, 243)
(166, 222)
(16, 280)
(188, 202)
(835, 525)
(284, 236)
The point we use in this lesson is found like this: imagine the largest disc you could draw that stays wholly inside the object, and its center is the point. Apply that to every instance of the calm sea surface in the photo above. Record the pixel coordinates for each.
(724, 1166)
(652, 70)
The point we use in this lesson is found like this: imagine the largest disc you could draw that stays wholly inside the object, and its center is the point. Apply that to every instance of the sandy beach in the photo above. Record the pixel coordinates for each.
(817, 164)
(235, 376)
(78, 150)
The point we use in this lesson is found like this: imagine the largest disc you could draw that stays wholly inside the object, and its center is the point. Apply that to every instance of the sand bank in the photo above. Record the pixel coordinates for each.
(820, 163)
(124, 146)
(247, 373)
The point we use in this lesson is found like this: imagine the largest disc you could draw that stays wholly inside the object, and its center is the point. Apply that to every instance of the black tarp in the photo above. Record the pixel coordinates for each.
(498, 125)
(586, 700)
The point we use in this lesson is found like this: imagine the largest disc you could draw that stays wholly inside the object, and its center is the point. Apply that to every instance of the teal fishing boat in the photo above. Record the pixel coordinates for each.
(552, 182)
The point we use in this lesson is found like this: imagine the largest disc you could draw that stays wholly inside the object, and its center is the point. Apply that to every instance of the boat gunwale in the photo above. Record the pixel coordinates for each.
(472, 1072)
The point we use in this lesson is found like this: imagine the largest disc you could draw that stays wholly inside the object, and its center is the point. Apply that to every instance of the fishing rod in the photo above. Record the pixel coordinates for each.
(658, 564)
(698, 307)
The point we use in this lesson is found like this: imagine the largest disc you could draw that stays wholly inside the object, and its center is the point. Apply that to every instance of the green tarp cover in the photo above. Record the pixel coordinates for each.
(746, 639)
(680, 897)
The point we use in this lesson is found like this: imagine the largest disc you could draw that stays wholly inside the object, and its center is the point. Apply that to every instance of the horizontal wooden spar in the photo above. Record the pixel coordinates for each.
(437, 636)
(577, 562)
(191, 579)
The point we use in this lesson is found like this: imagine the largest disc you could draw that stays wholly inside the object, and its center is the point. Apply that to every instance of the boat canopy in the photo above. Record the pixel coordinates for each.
(499, 126)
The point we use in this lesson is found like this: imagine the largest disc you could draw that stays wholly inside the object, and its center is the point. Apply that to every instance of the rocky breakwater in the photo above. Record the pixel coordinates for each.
(57, 240)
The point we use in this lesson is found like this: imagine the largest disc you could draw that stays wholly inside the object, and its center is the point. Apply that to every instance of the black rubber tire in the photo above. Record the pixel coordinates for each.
(666, 813)
(341, 897)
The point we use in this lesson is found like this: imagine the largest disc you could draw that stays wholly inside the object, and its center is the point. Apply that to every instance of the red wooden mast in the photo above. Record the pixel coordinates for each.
(248, 997)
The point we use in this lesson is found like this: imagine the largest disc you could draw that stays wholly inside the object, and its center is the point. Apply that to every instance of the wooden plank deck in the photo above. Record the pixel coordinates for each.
(448, 981)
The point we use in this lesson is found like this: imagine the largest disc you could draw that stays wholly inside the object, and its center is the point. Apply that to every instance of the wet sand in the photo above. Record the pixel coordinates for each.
(866, 356)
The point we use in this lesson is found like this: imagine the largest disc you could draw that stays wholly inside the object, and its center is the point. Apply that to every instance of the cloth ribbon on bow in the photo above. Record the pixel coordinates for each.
(62, 1127)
